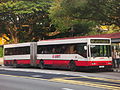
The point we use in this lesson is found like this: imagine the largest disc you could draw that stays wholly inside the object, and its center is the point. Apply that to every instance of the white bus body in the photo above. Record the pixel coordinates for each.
(71, 53)
(76, 59)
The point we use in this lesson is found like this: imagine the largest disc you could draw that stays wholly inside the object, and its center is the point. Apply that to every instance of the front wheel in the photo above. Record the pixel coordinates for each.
(72, 66)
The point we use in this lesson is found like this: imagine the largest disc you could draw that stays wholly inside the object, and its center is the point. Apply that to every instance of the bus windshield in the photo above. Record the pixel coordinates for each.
(100, 50)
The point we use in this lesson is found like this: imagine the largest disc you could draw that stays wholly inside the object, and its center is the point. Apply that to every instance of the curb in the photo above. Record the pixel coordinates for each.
(116, 70)
(2, 65)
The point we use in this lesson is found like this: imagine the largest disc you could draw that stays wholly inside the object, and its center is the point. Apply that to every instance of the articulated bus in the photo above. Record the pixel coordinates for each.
(75, 53)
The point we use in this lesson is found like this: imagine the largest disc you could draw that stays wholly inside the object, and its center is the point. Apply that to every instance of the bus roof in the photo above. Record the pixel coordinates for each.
(17, 45)
(66, 41)
(112, 35)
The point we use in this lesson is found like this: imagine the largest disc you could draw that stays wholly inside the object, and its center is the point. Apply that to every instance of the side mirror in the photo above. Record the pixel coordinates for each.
(85, 47)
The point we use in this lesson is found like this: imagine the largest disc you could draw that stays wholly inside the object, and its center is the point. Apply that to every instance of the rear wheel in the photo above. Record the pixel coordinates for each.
(72, 66)
(14, 63)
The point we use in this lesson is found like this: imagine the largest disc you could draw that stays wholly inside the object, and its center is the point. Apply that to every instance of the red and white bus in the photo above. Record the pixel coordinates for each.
(83, 53)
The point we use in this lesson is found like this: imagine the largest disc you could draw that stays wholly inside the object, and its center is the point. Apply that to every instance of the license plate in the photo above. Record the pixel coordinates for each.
(101, 66)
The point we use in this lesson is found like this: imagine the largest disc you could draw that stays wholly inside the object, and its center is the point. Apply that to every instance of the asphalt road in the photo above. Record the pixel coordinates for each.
(20, 83)
(36, 79)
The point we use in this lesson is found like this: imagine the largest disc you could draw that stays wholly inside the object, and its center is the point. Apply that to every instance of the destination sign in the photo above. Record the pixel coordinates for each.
(100, 41)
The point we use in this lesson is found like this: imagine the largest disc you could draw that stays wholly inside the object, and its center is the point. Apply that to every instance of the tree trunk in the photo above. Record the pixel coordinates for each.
(13, 33)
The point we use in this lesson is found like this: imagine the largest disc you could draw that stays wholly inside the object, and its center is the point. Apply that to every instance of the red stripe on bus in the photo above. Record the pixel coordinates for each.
(78, 63)
(18, 61)
(63, 62)
(55, 62)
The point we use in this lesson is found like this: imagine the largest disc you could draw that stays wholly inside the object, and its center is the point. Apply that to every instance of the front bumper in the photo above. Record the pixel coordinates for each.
(95, 67)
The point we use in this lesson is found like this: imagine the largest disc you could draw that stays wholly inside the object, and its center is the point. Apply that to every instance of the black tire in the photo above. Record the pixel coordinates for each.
(109, 69)
(41, 65)
(15, 63)
(72, 66)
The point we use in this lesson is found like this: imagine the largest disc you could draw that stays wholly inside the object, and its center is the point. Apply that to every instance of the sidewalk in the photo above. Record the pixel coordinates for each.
(116, 69)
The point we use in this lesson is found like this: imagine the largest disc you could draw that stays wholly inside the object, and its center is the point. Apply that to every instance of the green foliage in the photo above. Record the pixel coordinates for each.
(32, 20)
(1, 52)
(18, 7)
(15, 14)
(100, 12)
(105, 11)
(67, 16)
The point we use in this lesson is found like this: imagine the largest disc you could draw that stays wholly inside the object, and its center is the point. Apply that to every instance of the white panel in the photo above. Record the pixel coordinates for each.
(101, 59)
(17, 45)
(65, 41)
(19, 57)
(61, 57)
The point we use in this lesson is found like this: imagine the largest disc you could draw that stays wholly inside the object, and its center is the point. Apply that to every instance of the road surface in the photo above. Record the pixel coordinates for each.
(37, 79)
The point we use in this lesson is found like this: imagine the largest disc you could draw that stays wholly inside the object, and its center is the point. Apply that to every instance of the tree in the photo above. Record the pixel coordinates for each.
(87, 13)
(105, 11)
(19, 19)
(64, 15)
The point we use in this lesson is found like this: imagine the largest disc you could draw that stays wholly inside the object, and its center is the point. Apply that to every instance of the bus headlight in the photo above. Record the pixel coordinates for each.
(109, 63)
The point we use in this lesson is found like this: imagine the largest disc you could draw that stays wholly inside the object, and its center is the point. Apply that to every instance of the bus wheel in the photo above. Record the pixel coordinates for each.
(41, 65)
(72, 66)
(14, 63)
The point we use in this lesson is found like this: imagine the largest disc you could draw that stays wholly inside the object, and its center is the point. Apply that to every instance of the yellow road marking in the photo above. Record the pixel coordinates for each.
(103, 79)
(94, 78)
(85, 83)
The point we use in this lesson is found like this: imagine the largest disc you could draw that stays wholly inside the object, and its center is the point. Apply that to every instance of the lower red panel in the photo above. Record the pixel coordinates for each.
(61, 62)
(78, 63)
(55, 62)
(81, 63)
(93, 63)
(17, 61)
(23, 61)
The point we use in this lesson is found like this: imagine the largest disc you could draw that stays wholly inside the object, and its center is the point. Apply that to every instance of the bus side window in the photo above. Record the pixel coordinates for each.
(67, 50)
(81, 50)
(70, 49)
(53, 50)
(6, 51)
(63, 49)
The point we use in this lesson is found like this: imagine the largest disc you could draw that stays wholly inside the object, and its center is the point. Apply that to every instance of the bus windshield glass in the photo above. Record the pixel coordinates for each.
(81, 50)
(100, 50)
